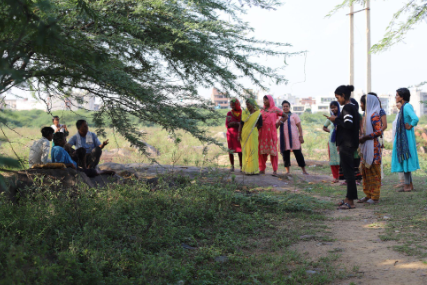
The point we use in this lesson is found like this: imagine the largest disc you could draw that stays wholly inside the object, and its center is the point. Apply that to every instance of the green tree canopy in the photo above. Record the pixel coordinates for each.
(416, 11)
(140, 57)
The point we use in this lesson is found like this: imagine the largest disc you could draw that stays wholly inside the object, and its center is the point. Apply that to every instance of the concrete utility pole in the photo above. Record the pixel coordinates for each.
(368, 47)
(352, 44)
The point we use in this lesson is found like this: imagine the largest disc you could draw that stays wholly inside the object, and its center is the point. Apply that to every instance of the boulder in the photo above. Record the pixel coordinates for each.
(25, 181)
(149, 149)
(220, 135)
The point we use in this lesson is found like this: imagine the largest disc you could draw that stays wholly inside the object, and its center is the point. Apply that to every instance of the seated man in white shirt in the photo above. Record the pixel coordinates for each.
(39, 151)
(89, 143)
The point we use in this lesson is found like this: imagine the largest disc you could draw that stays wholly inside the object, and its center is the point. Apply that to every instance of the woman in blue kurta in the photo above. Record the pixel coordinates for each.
(405, 156)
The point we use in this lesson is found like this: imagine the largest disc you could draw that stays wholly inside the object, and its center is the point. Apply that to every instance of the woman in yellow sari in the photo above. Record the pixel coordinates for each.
(248, 136)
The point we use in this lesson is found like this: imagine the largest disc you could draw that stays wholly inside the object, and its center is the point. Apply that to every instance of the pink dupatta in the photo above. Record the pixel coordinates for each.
(268, 133)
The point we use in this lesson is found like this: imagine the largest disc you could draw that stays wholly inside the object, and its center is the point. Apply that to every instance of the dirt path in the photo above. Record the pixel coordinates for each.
(357, 241)
(356, 232)
(282, 182)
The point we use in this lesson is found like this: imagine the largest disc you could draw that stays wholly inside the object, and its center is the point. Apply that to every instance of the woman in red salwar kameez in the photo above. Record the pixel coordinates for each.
(268, 135)
(234, 117)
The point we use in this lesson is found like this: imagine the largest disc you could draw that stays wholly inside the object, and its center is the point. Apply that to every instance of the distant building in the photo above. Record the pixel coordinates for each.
(324, 103)
(79, 101)
(299, 109)
(219, 99)
(22, 105)
(76, 102)
(418, 101)
(293, 100)
(307, 101)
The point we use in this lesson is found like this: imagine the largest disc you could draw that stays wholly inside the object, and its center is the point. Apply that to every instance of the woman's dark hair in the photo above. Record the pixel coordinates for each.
(46, 131)
(57, 137)
(346, 90)
(352, 100)
(265, 97)
(55, 117)
(404, 93)
(363, 99)
(79, 123)
(334, 103)
(286, 102)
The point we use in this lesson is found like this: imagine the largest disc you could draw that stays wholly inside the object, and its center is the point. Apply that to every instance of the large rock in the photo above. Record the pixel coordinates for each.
(149, 149)
(220, 135)
(26, 181)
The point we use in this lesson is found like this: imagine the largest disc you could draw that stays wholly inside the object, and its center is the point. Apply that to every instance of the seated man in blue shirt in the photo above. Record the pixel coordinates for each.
(60, 155)
(87, 143)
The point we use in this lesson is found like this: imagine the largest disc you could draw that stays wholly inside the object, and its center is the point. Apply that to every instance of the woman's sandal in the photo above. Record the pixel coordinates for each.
(363, 200)
(341, 203)
(346, 206)
(371, 202)
(403, 190)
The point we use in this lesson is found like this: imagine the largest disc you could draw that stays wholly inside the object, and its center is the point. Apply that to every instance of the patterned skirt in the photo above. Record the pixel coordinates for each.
(372, 181)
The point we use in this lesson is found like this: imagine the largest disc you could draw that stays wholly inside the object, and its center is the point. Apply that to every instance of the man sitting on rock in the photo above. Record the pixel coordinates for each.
(60, 155)
(88, 142)
(39, 151)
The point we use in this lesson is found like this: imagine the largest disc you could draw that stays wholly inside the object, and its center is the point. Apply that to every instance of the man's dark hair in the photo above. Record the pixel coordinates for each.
(79, 123)
(55, 117)
(287, 103)
(404, 93)
(57, 137)
(46, 131)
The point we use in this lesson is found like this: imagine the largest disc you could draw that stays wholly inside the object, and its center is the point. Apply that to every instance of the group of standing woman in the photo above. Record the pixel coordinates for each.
(356, 141)
(252, 134)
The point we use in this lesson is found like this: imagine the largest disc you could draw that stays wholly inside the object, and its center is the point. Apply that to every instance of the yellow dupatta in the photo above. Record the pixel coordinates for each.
(250, 142)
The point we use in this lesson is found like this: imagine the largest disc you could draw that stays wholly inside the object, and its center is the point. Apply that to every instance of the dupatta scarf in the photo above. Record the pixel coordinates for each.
(367, 148)
(334, 132)
(402, 146)
(237, 112)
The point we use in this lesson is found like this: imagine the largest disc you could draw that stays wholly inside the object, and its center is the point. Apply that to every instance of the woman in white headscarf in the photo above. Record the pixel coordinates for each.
(393, 135)
(370, 149)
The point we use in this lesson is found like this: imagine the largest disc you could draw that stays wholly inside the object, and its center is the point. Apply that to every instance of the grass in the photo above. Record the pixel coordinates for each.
(198, 233)
(403, 215)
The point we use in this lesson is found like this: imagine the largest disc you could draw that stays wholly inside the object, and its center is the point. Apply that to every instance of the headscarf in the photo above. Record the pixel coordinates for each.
(334, 132)
(402, 146)
(252, 102)
(238, 112)
(393, 132)
(367, 148)
(272, 106)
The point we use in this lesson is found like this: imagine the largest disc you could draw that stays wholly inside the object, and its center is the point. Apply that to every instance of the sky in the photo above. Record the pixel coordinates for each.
(326, 40)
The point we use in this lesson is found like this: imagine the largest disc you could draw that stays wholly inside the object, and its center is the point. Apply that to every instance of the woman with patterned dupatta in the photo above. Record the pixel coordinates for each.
(291, 138)
(234, 117)
(268, 135)
(248, 137)
(370, 149)
(334, 157)
(405, 156)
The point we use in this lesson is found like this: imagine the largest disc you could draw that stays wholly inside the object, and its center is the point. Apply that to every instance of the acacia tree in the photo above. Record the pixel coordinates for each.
(140, 57)
(416, 11)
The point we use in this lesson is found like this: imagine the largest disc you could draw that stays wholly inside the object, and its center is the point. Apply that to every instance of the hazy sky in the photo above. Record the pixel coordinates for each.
(304, 25)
